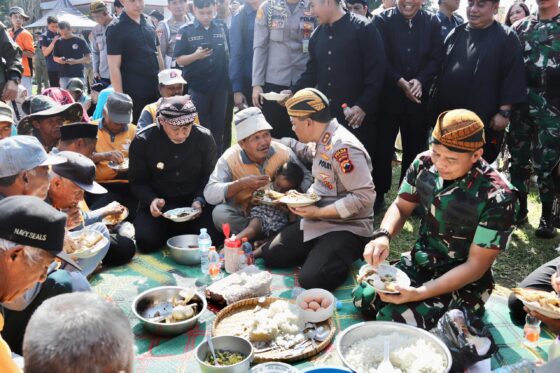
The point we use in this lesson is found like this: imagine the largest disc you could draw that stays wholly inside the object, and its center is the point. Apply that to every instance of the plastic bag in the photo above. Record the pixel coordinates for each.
(466, 337)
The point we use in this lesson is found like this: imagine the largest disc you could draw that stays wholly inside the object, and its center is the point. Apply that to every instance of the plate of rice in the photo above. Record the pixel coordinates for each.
(87, 243)
(412, 350)
(181, 214)
(383, 278)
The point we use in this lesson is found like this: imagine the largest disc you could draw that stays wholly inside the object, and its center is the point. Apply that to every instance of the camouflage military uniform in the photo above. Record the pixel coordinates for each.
(476, 209)
(538, 125)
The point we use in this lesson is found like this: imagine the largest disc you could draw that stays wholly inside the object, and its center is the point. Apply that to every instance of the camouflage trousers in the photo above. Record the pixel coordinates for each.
(534, 137)
(424, 314)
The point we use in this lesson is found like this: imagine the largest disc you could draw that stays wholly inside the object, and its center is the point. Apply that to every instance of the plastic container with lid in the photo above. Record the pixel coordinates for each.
(231, 254)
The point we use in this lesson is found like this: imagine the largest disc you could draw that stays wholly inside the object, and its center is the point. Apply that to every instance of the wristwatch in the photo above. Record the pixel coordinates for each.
(381, 232)
(505, 113)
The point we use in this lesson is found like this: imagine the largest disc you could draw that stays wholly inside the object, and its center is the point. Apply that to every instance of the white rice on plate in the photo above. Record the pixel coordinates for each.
(419, 356)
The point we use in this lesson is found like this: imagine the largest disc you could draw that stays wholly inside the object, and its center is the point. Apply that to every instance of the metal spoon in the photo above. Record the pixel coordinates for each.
(211, 347)
(386, 365)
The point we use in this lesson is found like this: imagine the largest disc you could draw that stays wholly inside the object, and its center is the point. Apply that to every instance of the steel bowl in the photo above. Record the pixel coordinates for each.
(230, 343)
(370, 329)
(180, 250)
(143, 302)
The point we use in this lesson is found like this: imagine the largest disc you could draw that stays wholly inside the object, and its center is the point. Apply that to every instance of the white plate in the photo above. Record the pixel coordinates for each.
(301, 202)
(273, 96)
(109, 222)
(84, 252)
(181, 214)
(119, 166)
(535, 306)
(374, 280)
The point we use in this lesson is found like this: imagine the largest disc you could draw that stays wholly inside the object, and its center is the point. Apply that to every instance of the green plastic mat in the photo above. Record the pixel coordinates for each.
(161, 355)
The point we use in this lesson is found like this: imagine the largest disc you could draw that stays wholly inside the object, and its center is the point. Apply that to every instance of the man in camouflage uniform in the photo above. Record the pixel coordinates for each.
(10, 66)
(537, 130)
(470, 213)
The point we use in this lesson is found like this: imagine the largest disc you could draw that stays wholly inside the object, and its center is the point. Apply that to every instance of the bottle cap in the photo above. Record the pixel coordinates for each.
(344, 106)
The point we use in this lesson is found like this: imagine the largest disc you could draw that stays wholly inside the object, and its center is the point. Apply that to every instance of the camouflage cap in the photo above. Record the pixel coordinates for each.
(459, 130)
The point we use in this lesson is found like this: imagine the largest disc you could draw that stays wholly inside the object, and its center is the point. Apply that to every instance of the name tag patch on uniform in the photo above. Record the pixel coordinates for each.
(342, 157)
(324, 164)
(195, 38)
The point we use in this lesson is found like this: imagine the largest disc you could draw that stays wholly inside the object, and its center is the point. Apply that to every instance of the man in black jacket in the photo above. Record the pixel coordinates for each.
(414, 49)
(346, 63)
(170, 163)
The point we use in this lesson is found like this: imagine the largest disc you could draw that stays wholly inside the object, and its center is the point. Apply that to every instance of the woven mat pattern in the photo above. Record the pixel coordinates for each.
(161, 355)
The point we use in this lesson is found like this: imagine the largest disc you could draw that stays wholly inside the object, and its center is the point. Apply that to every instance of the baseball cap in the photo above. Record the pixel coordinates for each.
(22, 153)
(75, 84)
(74, 131)
(80, 170)
(18, 10)
(29, 221)
(6, 113)
(459, 130)
(171, 76)
(176, 111)
(249, 121)
(97, 6)
(119, 107)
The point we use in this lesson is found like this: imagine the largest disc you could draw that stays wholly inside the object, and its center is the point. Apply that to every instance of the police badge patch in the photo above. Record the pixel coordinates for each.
(341, 156)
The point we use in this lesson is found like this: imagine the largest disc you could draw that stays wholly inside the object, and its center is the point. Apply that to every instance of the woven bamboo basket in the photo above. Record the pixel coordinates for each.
(230, 321)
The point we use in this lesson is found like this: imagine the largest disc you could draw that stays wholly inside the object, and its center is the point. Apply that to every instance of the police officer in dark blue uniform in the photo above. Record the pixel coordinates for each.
(202, 49)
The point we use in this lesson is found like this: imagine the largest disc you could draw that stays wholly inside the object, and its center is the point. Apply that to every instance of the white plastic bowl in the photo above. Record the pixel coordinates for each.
(315, 316)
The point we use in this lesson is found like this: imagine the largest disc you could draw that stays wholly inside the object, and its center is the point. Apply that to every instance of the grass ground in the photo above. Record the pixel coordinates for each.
(525, 253)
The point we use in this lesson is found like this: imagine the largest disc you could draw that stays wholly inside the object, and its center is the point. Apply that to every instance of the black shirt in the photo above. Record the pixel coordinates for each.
(210, 73)
(46, 40)
(75, 48)
(483, 69)
(346, 63)
(176, 172)
(414, 51)
(137, 44)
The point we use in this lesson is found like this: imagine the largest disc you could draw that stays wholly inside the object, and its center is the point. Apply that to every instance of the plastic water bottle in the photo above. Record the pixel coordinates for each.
(248, 250)
(204, 243)
(214, 264)
(554, 349)
(347, 111)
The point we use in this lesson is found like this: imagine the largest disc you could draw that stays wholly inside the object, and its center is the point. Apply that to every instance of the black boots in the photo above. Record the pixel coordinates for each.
(546, 228)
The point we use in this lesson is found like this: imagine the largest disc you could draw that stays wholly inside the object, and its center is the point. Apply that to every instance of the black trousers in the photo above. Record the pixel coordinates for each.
(54, 79)
(138, 103)
(121, 250)
(152, 233)
(414, 135)
(538, 279)
(276, 114)
(493, 144)
(325, 261)
(119, 192)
